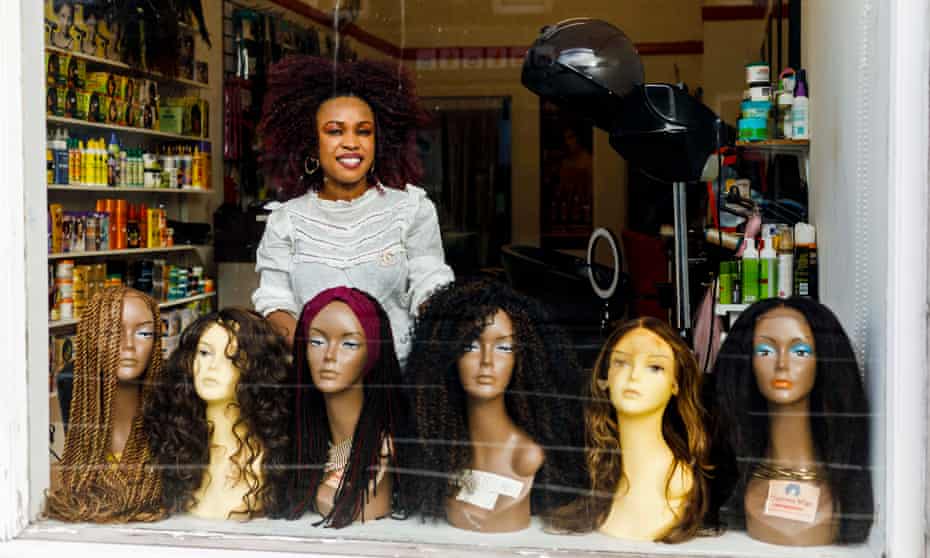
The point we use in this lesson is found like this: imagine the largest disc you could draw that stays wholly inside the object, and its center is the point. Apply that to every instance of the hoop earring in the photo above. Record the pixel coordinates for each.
(316, 165)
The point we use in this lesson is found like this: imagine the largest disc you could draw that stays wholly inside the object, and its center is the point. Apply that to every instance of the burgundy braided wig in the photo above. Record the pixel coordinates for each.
(298, 85)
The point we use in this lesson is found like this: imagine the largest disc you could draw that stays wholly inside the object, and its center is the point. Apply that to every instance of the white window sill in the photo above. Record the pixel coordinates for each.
(378, 538)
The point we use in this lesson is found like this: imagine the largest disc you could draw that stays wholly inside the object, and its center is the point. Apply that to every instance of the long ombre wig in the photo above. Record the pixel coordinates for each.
(683, 428)
(94, 487)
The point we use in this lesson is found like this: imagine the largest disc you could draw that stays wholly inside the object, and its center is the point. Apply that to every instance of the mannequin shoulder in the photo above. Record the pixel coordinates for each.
(681, 481)
(528, 458)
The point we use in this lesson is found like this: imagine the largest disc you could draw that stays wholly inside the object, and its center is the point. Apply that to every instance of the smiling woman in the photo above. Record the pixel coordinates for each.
(339, 142)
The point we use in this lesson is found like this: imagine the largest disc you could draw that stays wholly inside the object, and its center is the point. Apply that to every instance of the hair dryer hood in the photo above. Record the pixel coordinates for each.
(667, 133)
(586, 65)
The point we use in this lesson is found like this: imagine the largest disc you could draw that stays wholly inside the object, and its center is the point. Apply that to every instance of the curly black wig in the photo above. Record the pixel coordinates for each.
(179, 433)
(298, 85)
(381, 422)
(543, 397)
(839, 412)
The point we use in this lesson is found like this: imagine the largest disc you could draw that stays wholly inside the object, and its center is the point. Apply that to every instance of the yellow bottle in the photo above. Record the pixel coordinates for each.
(84, 179)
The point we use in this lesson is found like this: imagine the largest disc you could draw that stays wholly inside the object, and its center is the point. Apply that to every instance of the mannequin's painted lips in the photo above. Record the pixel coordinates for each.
(630, 393)
(781, 384)
(329, 374)
(128, 362)
(485, 379)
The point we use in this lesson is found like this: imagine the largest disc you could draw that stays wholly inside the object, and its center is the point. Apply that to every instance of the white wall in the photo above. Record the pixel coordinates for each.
(868, 69)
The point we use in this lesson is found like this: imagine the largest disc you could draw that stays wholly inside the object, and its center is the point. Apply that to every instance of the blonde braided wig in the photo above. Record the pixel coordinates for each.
(92, 488)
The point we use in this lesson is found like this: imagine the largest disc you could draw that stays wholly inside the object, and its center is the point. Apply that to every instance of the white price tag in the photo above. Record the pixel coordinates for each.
(482, 489)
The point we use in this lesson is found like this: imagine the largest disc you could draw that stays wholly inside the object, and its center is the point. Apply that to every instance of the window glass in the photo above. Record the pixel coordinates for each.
(436, 272)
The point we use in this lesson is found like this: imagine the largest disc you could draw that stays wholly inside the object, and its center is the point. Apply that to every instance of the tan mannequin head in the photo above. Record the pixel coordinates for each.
(137, 338)
(783, 357)
(337, 349)
(486, 366)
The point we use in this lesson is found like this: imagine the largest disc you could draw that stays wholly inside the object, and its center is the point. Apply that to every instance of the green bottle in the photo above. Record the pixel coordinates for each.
(750, 280)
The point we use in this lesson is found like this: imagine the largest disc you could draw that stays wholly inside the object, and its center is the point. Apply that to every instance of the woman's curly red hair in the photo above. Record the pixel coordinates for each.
(298, 85)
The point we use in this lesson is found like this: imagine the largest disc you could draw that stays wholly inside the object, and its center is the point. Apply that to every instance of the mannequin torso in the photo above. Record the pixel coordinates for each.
(790, 447)
(343, 409)
(500, 448)
(648, 501)
(223, 490)
(126, 402)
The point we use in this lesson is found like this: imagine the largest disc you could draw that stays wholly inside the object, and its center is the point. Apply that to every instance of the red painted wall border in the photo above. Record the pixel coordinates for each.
(737, 13)
(429, 53)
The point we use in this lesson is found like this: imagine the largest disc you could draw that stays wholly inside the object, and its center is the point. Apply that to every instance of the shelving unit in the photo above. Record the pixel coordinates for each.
(126, 252)
(126, 67)
(127, 129)
(60, 324)
(107, 189)
(799, 148)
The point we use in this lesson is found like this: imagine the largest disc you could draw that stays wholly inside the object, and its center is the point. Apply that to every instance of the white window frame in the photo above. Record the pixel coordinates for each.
(900, 31)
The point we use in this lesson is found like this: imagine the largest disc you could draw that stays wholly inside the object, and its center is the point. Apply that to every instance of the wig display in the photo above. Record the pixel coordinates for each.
(180, 433)
(370, 454)
(838, 413)
(541, 398)
(682, 428)
(98, 484)
(298, 85)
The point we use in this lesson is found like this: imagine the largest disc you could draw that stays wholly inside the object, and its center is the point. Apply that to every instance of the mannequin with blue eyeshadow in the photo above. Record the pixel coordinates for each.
(794, 413)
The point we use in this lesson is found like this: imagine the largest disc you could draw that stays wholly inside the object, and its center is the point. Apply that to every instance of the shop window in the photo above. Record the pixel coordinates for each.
(328, 310)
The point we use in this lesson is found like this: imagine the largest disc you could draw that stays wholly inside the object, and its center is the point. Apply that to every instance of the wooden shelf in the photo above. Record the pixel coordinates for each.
(118, 128)
(126, 67)
(126, 252)
(164, 304)
(776, 146)
(724, 309)
(67, 188)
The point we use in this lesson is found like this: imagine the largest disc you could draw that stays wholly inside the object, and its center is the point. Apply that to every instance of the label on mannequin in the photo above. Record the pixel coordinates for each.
(793, 500)
(482, 488)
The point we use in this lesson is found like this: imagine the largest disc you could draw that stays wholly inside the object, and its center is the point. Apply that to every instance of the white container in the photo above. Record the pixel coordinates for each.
(800, 114)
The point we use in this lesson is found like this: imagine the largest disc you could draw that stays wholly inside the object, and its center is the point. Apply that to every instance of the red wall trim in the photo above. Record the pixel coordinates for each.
(735, 13)
(431, 53)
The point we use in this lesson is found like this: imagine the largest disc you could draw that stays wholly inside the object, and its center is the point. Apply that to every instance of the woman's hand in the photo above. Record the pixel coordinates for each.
(285, 324)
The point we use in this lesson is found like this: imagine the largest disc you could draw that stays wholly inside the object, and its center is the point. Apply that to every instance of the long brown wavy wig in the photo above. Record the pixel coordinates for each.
(683, 427)
(299, 84)
(92, 488)
(543, 398)
(177, 422)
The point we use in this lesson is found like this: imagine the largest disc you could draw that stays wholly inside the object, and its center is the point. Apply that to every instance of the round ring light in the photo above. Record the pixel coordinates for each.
(606, 235)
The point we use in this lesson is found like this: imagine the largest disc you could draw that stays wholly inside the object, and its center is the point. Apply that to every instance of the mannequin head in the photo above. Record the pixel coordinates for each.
(643, 368)
(486, 365)
(783, 357)
(117, 342)
(641, 375)
(137, 337)
(817, 365)
(343, 341)
(337, 349)
(216, 373)
(479, 341)
(235, 359)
